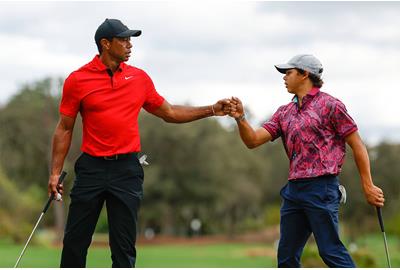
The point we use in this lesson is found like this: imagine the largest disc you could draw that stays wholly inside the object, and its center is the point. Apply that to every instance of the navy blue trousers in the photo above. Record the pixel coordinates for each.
(311, 206)
(118, 183)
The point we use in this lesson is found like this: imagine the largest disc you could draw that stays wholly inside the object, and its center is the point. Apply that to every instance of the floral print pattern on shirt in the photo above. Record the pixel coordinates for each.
(313, 135)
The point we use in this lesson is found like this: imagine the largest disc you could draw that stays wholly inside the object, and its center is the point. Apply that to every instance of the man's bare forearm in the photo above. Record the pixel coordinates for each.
(184, 114)
(61, 143)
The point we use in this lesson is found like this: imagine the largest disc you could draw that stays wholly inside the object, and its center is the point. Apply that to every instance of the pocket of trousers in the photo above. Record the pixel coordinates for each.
(332, 193)
(76, 165)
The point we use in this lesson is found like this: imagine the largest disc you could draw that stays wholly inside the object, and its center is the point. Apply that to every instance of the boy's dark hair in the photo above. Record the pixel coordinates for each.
(316, 81)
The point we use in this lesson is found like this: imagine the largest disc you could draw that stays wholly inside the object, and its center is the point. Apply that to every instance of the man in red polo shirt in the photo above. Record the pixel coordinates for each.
(109, 95)
(314, 128)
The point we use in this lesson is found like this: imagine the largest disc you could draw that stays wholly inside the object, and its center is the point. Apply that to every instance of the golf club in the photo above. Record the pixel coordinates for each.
(378, 210)
(60, 180)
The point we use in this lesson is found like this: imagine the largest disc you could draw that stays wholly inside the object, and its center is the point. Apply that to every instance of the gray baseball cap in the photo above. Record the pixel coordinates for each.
(305, 62)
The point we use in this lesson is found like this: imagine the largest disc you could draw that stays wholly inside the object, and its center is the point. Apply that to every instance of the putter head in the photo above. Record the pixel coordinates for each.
(142, 160)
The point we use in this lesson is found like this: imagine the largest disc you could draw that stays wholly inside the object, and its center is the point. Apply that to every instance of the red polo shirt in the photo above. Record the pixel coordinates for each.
(109, 106)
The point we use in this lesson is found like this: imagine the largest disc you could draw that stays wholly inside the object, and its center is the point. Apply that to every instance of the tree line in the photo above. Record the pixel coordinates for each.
(198, 171)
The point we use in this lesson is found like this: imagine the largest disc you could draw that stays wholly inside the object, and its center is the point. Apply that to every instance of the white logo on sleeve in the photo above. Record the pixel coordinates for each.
(128, 77)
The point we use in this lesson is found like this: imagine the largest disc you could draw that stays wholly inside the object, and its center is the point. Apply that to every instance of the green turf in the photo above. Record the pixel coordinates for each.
(215, 255)
(218, 255)
(375, 245)
(221, 255)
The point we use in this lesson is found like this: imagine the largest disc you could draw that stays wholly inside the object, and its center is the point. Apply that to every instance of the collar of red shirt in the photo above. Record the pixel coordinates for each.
(98, 65)
(314, 91)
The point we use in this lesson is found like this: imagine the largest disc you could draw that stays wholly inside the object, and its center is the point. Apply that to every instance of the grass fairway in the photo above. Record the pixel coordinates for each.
(215, 255)
(203, 255)
(375, 246)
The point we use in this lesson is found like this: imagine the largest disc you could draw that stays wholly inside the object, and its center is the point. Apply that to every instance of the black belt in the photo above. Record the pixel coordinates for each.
(115, 157)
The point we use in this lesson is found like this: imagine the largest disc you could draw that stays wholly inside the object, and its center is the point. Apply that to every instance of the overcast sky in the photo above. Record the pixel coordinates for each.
(200, 52)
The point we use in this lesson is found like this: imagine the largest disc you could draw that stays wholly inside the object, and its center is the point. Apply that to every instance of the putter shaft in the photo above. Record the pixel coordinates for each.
(387, 250)
(29, 239)
(47, 205)
(380, 218)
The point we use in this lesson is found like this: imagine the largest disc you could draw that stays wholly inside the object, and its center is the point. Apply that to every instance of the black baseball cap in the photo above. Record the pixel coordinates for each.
(114, 28)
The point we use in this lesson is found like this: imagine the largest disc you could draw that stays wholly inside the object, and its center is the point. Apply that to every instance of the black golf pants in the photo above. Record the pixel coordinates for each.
(118, 183)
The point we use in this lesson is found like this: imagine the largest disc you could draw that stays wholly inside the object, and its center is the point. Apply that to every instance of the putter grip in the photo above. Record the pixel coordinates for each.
(60, 180)
(378, 210)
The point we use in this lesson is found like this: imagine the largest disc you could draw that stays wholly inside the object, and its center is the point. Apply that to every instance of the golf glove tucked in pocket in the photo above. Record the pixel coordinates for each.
(343, 196)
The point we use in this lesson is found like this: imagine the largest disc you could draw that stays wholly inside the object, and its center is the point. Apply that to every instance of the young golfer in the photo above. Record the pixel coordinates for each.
(314, 128)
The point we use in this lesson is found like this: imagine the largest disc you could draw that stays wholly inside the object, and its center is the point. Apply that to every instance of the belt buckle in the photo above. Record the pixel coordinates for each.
(113, 157)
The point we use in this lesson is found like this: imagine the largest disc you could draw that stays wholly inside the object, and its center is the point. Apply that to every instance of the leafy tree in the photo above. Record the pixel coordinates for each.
(27, 123)
(17, 210)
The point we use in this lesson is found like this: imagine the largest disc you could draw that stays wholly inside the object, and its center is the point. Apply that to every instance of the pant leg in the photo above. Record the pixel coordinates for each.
(122, 231)
(124, 195)
(294, 229)
(324, 220)
(87, 198)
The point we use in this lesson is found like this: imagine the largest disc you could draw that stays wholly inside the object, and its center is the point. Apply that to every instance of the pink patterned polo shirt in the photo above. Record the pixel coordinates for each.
(313, 135)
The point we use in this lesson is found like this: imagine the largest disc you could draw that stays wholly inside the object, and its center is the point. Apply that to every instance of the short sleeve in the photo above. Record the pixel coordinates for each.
(153, 99)
(273, 125)
(70, 101)
(342, 121)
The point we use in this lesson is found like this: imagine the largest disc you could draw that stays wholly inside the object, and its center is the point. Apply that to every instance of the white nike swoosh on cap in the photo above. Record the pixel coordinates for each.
(128, 77)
